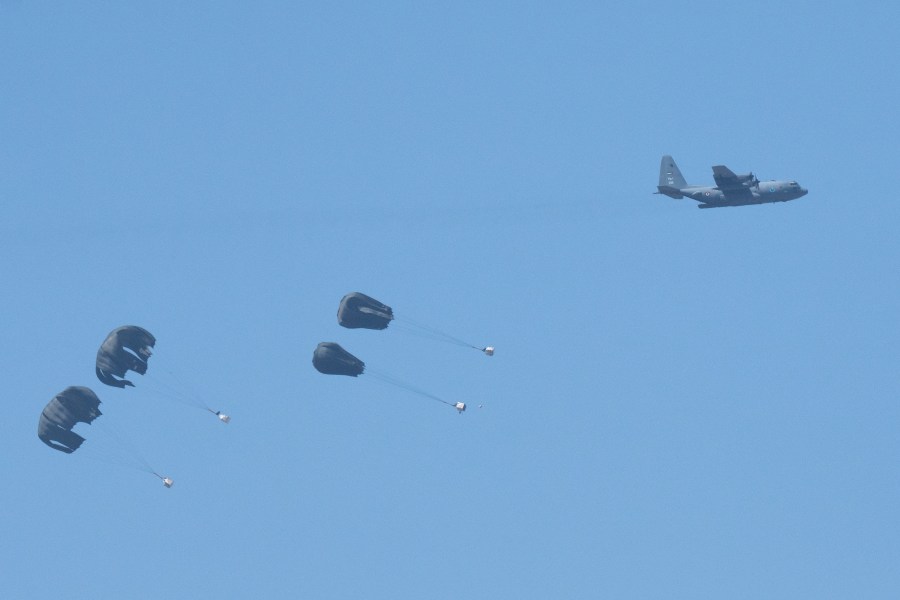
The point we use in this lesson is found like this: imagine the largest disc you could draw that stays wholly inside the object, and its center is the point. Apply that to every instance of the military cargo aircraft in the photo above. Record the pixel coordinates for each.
(730, 189)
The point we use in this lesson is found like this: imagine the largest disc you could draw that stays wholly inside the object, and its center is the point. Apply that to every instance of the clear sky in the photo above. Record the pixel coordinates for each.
(683, 403)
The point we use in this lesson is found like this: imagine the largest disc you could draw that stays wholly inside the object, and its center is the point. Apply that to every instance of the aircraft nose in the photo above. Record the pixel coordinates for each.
(803, 191)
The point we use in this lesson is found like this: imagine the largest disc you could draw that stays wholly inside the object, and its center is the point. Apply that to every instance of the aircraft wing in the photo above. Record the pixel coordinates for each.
(730, 184)
(725, 178)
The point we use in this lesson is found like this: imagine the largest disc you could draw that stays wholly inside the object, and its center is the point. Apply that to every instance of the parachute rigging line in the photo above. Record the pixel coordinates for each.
(401, 384)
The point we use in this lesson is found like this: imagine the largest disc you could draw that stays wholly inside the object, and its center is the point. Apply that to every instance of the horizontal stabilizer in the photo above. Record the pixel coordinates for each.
(671, 192)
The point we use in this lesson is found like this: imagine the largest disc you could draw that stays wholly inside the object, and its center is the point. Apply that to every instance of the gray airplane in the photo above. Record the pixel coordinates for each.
(730, 189)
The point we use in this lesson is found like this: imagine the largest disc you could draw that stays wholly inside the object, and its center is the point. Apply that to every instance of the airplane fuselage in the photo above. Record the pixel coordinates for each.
(730, 189)
(764, 192)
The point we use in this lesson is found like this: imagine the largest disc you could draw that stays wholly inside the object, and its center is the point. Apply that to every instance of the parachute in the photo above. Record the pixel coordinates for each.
(358, 311)
(78, 404)
(73, 405)
(329, 358)
(128, 348)
(125, 349)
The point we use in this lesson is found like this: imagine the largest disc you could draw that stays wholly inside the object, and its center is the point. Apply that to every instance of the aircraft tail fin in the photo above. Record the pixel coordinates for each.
(669, 175)
(671, 181)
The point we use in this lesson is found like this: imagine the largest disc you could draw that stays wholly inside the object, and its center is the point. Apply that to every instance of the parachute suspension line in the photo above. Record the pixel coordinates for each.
(196, 397)
(416, 331)
(422, 330)
(137, 459)
(190, 394)
(169, 391)
(180, 392)
(435, 332)
(91, 451)
(410, 388)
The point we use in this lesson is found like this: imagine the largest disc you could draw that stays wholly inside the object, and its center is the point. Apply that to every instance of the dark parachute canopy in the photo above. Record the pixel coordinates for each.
(331, 359)
(73, 405)
(358, 311)
(125, 349)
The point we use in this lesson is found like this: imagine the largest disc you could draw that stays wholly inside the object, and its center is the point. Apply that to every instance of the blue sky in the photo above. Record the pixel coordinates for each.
(683, 403)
